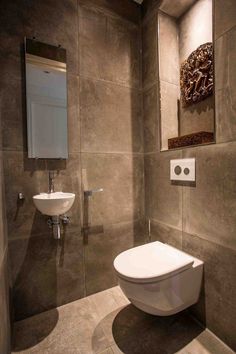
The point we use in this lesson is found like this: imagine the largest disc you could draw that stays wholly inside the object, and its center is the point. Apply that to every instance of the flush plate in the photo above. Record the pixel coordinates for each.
(182, 170)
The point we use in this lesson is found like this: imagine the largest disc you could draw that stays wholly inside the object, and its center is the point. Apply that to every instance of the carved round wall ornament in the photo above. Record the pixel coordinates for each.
(196, 75)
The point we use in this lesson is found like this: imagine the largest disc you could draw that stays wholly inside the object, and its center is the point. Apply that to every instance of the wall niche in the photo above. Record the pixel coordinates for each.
(186, 73)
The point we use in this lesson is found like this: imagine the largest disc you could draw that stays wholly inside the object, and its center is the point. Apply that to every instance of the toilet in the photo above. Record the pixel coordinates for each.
(158, 278)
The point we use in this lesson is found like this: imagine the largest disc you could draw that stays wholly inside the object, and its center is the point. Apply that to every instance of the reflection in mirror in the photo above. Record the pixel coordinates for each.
(46, 93)
(186, 73)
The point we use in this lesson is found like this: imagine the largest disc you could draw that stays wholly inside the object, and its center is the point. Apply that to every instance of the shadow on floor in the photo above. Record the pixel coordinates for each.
(137, 332)
(33, 330)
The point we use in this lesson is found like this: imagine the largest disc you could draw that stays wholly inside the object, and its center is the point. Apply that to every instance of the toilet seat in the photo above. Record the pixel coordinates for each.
(151, 262)
(159, 279)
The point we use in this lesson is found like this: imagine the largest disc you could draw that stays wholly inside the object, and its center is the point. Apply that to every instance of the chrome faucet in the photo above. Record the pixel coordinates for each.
(51, 182)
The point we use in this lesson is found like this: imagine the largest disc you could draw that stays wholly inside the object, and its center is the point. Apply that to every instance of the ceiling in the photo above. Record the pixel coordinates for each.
(175, 9)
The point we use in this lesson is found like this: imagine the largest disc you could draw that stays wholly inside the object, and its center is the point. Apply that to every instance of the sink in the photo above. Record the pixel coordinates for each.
(52, 204)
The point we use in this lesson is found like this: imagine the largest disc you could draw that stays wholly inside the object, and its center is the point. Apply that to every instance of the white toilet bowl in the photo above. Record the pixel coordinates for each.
(158, 278)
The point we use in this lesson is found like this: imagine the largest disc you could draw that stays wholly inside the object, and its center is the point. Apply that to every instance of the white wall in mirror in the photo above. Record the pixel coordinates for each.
(46, 96)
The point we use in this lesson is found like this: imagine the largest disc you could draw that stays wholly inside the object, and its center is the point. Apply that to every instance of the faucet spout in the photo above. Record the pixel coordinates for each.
(51, 182)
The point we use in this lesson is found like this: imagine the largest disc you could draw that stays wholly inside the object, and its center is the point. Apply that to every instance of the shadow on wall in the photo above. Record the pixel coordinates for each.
(137, 332)
(33, 264)
(199, 309)
(197, 117)
(35, 272)
(35, 285)
(87, 229)
(103, 241)
(35, 258)
(137, 126)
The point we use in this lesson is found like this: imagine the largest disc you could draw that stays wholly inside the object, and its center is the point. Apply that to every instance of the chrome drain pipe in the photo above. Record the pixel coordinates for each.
(54, 222)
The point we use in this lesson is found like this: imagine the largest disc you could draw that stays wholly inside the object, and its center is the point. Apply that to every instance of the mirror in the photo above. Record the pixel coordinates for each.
(186, 73)
(46, 99)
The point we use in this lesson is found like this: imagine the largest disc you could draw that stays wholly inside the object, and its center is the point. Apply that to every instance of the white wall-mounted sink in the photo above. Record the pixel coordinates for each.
(52, 204)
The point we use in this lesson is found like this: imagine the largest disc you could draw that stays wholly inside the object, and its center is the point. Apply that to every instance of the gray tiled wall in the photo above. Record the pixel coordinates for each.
(4, 276)
(200, 219)
(103, 42)
(105, 84)
(4, 283)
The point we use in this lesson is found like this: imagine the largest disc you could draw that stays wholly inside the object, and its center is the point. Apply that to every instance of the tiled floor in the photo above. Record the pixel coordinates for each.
(106, 323)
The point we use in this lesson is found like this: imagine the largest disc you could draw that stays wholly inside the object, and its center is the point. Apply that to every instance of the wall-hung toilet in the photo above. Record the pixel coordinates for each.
(158, 278)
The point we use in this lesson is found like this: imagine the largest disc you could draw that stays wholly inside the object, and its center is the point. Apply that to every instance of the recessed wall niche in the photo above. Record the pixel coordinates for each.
(186, 73)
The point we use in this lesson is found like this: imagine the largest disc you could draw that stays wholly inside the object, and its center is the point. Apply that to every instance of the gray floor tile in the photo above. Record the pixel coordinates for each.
(107, 351)
(206, 343)
(106, 323)
(119, 296)
(116, 349)
(104, 303)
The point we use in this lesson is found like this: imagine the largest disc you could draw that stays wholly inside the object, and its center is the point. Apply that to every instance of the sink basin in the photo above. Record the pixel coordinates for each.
(52, 204)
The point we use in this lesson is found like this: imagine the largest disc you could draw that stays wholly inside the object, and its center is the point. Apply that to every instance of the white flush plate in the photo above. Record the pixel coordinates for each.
(182, 170)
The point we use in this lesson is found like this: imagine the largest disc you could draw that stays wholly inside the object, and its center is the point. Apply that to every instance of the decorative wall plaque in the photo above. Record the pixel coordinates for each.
(196, 75)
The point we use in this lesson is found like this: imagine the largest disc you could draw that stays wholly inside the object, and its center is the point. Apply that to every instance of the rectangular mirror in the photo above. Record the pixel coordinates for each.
(186, 73)
(46, 98)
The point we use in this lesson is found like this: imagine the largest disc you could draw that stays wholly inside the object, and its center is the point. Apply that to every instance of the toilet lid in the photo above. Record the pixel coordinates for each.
(154, 260)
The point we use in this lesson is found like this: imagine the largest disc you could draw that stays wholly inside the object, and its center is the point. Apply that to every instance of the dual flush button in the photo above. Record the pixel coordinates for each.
(178, 170)
(182, 170)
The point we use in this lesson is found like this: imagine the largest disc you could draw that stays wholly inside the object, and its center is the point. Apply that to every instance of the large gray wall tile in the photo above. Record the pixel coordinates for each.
(103, 42)
(151, 118)
(121, 177)
(31, 177)
(45, 21)
(5, 335)
(198, 117)
(13, 115)
(12, 27)
(216, 307)
(163, 200)
(169, 97)
(209, 208)
(73, 119)
(46, 272)
(128, 10)
(166, 234)
(4, 278)
(3, 221)
(149, 7)
(106, 124)
(225, 16)
(225, 73)
(4, 308)
(109, 48)
(70, 269)
(149, 51)
(168, 49)
(206, 210)
(102, 248)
